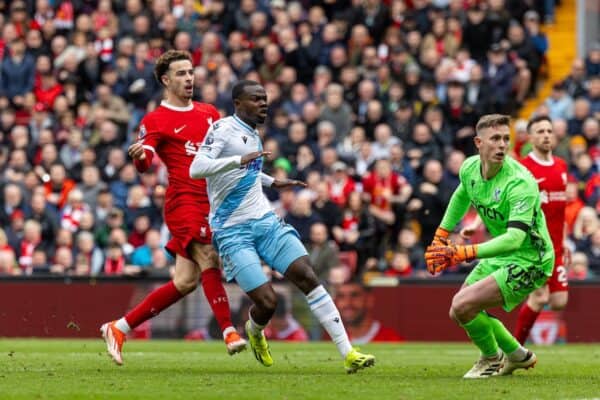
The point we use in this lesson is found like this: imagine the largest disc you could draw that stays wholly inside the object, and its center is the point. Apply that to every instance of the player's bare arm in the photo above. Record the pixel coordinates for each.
(287, 183)
(253, 156)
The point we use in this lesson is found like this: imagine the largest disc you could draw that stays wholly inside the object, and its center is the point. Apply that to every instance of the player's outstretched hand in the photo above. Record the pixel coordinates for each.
(253, 156)
(136, 151)
(287, 183)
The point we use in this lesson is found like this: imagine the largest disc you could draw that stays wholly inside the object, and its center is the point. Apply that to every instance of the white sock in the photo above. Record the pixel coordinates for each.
(255, 328)
(518, 355)
(123, 326)
(324, 309)
(227, 330)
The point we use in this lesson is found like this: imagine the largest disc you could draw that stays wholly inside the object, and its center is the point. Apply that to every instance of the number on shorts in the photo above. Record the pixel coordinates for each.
(562, 274)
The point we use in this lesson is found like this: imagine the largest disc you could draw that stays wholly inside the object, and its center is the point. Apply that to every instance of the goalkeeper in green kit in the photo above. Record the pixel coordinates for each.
(517, 260)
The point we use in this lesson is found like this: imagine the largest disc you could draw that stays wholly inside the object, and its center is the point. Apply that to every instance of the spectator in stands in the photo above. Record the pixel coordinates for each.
(357, 230)
(591, 248)
(91, 185)
(32, 237)
(73, 211)
(429, 199)
(579, 267)
(88, 257)
(585, 225)
(593, 95)
(328, 211)
(141, 226)
(8, 262)
(500, 73)
(560, 104)
(338, 111)
(47, 219)
(58, 187)
(12, 201)
(142, 256)
(17, 73)
(581, 111)
(575, 81)
(322, 252)
(356, 304)
(301, 216)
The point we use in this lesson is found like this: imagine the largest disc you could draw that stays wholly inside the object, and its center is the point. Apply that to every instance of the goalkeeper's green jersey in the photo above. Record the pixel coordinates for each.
(510, 199)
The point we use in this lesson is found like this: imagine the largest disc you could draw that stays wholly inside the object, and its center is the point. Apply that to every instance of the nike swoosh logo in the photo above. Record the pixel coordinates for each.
(540, 180)
(177, 130)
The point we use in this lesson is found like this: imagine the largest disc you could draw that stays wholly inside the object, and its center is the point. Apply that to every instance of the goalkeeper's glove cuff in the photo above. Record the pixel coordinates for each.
(441, 236)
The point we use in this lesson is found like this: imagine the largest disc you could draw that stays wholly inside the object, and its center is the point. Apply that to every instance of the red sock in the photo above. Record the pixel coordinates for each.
(153, 304)
(216, 296)
(525, 322)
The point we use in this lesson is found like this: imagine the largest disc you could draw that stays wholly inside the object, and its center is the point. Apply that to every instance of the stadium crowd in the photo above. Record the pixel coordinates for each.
(372, 103)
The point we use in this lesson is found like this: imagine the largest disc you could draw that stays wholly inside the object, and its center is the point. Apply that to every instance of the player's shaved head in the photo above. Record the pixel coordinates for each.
(490, 121)
(240, 88)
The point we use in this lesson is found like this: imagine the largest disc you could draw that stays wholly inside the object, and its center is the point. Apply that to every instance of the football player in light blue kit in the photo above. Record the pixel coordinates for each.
(246, 230)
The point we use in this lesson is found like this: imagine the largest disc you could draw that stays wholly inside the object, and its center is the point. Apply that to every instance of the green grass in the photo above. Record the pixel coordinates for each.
(80, 369)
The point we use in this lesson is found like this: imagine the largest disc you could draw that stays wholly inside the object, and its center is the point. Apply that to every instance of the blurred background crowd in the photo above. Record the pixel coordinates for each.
(372, 103)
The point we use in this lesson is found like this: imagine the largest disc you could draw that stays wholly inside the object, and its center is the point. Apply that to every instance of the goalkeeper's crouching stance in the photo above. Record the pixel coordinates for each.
(517, 260)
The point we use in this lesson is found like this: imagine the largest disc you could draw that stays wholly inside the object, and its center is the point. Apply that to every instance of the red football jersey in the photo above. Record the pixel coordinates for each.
(551, 177)
(175, 134)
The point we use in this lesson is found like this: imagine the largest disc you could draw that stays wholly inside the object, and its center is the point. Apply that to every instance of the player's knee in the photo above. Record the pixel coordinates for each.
(185, 285)
(302, 275)
(460, 308)
(558, 304)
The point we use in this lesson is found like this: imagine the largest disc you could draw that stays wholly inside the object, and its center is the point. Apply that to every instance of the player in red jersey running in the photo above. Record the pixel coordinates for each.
(174, 132)
(550, 172)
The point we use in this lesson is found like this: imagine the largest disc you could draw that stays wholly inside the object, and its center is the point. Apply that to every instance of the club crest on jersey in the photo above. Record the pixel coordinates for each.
(210, 139)
(203, 231)
(245, 139)
(142, 133)
(497, 194)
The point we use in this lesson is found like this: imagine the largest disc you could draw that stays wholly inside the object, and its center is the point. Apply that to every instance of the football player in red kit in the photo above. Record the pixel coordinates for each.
(174, 132)
(550, 172)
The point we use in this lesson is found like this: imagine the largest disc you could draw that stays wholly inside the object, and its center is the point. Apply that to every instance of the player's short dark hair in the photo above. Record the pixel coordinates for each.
(536, 119)
(164, 62)
(240, 87)
(491, 120)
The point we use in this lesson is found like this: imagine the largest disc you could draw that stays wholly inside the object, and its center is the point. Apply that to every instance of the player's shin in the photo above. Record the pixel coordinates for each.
(507, 342)
(481, 332)
(214, 291)
(324, 309)
(153, 304)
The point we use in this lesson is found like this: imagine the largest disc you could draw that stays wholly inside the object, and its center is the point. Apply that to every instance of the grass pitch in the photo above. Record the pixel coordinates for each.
(80, 369)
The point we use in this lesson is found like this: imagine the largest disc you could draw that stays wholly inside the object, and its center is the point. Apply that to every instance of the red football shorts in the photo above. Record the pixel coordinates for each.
(187, 221)
(558, 281)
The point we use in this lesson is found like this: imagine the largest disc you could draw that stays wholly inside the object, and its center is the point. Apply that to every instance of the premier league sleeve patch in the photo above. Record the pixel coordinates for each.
(142, 133)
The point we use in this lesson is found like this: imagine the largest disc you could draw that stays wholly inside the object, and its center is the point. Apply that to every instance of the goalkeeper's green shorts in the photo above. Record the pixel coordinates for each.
(515, 278)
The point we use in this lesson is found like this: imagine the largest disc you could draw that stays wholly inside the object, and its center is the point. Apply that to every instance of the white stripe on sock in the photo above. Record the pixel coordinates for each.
(324, 309)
